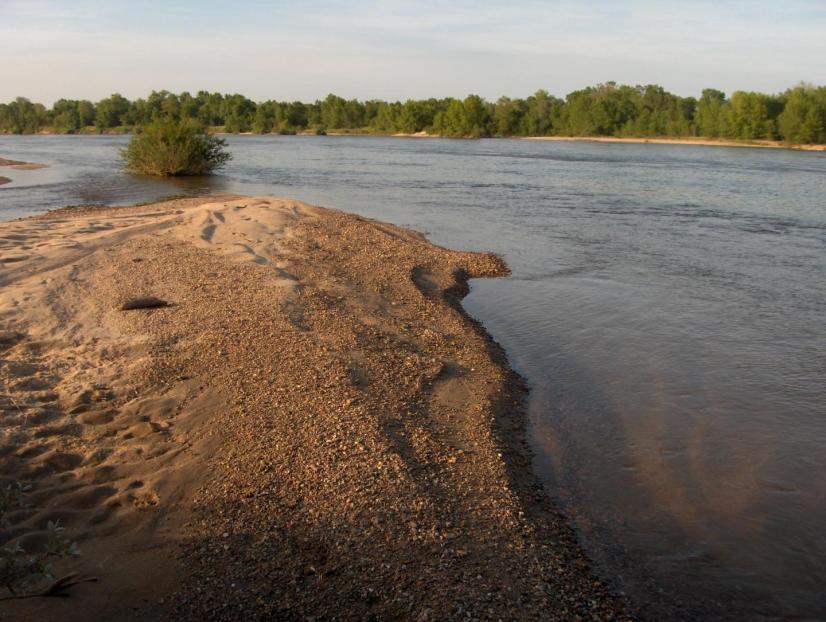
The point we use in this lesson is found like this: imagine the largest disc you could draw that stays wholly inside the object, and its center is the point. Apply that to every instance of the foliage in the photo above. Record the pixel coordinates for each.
(167, 147)
(749, 117)
(112, 112)
(803, 119)
(609, 109)
(21, 571)
(710, 116)
(469, 118)
(21, 116)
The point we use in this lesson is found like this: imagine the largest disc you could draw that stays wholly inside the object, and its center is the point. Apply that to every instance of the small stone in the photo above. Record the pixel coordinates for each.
(145, 302)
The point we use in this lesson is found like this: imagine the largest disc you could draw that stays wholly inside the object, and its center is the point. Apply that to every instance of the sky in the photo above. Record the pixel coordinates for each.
(395, 50)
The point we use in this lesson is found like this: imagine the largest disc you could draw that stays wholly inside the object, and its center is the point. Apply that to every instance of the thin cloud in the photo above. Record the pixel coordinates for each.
(396, 50)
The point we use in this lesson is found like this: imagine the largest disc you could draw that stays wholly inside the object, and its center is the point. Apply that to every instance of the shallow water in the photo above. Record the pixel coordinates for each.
(667, 305)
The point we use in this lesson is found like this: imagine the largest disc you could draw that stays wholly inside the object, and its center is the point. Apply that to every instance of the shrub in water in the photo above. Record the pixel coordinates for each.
(167, 147)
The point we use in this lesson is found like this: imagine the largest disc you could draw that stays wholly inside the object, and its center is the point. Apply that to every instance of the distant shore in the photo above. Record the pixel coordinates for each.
(705, 142)
(699, 141)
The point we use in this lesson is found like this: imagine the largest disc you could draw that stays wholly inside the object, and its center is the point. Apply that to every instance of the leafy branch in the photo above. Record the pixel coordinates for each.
(21, 572)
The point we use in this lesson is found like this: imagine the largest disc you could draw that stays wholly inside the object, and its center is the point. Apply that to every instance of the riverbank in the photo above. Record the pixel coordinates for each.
(305, 424)
(699, 141)
(705, 142)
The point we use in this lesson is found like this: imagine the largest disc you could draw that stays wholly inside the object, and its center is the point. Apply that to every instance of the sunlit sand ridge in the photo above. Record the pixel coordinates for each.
(297, 420)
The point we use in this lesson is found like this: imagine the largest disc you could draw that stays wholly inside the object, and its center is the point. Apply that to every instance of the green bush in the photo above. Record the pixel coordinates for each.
(169, 148)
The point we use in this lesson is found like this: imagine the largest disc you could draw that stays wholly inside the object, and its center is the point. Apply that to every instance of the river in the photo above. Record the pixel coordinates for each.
(667, 307)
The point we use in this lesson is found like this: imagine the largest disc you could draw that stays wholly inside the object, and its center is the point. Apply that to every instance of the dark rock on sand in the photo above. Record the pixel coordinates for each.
(145, 302)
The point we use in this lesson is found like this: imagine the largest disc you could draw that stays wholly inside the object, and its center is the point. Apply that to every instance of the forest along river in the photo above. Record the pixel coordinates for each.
(667, 306)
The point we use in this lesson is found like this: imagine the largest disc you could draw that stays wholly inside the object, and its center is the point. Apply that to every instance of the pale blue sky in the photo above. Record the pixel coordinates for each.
(397, 50)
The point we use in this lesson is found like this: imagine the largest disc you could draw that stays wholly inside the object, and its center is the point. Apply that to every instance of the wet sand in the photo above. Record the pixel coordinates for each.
(311, 428)
(20, 166)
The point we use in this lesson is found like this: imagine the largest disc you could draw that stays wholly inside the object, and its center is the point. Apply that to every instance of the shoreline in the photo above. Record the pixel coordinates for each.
(313, 427)
(702, 142)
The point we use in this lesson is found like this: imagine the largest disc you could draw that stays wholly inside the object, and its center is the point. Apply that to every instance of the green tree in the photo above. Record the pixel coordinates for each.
(211, 108)
(803, 119)
(65, 116)
(749, 118)
(295, 114)
(86, 113)
(265, 117)
(21, 116)
(608, 109)
(656, 112)
(238, 113)
(541, 114)
(469, 118)
(507, 116)
(709, 119)
(111, 112)
(339, 113)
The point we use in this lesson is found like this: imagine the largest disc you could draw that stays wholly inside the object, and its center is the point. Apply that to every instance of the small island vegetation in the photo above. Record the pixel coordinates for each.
(168, 147)
(796, 116)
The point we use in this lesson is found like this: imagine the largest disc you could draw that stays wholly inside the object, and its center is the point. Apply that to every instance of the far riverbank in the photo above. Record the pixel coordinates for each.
(704, 142)
(690, 140)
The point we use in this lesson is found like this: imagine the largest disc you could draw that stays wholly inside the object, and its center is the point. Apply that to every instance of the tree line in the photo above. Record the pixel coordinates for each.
(796, 116)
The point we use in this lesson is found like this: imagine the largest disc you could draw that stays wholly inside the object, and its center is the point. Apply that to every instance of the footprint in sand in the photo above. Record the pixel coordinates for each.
(99, 417)
(145, 500)
(13, 258)
(61, 461)
(43, 415)
(32, 383)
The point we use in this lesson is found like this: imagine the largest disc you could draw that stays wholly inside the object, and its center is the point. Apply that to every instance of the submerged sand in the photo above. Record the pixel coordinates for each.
(20, 166)
(311, 429)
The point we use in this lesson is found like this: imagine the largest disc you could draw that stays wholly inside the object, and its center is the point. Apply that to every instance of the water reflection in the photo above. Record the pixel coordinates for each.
(685, 445)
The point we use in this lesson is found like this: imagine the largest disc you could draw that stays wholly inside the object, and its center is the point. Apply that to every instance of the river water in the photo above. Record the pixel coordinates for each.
(667, 306)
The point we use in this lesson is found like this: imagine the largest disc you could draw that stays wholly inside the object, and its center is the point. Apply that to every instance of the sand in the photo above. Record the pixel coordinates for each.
(421, 134)
(707, 142)
(20, 166)
(310, 427)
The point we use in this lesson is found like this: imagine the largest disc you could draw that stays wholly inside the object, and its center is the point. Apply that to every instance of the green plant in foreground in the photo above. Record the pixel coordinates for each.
(166, 147)
(20, 572)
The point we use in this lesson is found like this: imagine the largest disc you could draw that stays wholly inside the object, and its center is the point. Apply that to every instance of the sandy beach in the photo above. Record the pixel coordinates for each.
(707, 142)
(298, 422)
